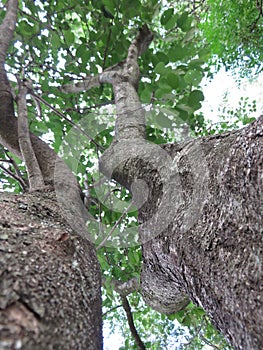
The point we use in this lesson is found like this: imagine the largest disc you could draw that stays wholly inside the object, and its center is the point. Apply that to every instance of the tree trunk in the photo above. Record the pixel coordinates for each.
(211, 248)
(50, 278)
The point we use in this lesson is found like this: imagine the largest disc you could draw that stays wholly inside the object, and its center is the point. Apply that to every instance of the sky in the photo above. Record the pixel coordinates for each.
(224, 82)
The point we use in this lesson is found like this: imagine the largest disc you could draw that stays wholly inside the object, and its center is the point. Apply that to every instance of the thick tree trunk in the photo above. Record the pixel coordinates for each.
(200, 213)
(211, 249)
(50, 278)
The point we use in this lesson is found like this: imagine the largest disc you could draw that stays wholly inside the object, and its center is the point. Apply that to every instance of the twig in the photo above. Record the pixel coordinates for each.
(197, 331)
(16, 177)
(112, 309)
(208, 342)
(133, 330)
(138, 46)
(67, 119)
(106, 49)
(114, 227)
(16, 168)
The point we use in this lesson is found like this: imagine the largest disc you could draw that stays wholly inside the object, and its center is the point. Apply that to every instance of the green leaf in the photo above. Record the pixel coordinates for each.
(110, 5)
(55, 41)
(172, 317)
(25, 28)
(173, 80)
(184, 107)
(171, 23)
(190, 35)
(160, 57)
(177, 53)
(184, 22)
(159, 93)
(166, 16)
(164, 121)
(196, 63)
(69, 36)
(163, 84)
(196, 96)
(160, 68)
(193, 77)
(131, 8)
(146, 96)
(83, 53)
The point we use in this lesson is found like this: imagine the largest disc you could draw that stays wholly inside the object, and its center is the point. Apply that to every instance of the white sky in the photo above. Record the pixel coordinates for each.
(223, 82)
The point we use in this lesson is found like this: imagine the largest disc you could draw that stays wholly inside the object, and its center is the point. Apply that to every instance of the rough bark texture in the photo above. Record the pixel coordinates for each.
(50, 278)
(50, 281)
(216, 261)
(200, 218)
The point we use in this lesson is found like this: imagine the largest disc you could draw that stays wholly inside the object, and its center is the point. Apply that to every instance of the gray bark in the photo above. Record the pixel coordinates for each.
(50, 278)
(201, 227)
(201, 216)
(214, 255)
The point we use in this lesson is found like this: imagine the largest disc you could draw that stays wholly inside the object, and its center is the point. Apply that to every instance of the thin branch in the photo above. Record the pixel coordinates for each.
(208, 342)
(138, 46)
(114, 227)
(67, 119)
(16, 168)
(12, 161)
(196, 334)
(126, 288)
(35, 177)
(199, 335)
(38, 106)
(106, 48)
(127, 309)
(16, 177)
(112, 309)
(259, 6)
(87, 83)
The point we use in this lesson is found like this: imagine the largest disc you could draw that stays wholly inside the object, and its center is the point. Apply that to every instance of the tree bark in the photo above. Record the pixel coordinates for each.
(50, 278)
(212, 253)
(200, 216)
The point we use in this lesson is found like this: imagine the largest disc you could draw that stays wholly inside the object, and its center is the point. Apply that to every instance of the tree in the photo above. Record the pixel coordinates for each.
(199, 200)
(232, 32)
(232, 29)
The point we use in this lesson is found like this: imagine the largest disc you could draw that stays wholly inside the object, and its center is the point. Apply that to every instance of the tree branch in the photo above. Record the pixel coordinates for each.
(37, 97)
(134, 332)
(12, 161)
(260, 9)
(114, 227)
(126, 288)
(7, 28)
(9, 129)
(106, 48)
(112, 309)
(88, 83)
(16, 177)
(138, 46)
(35, 176)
